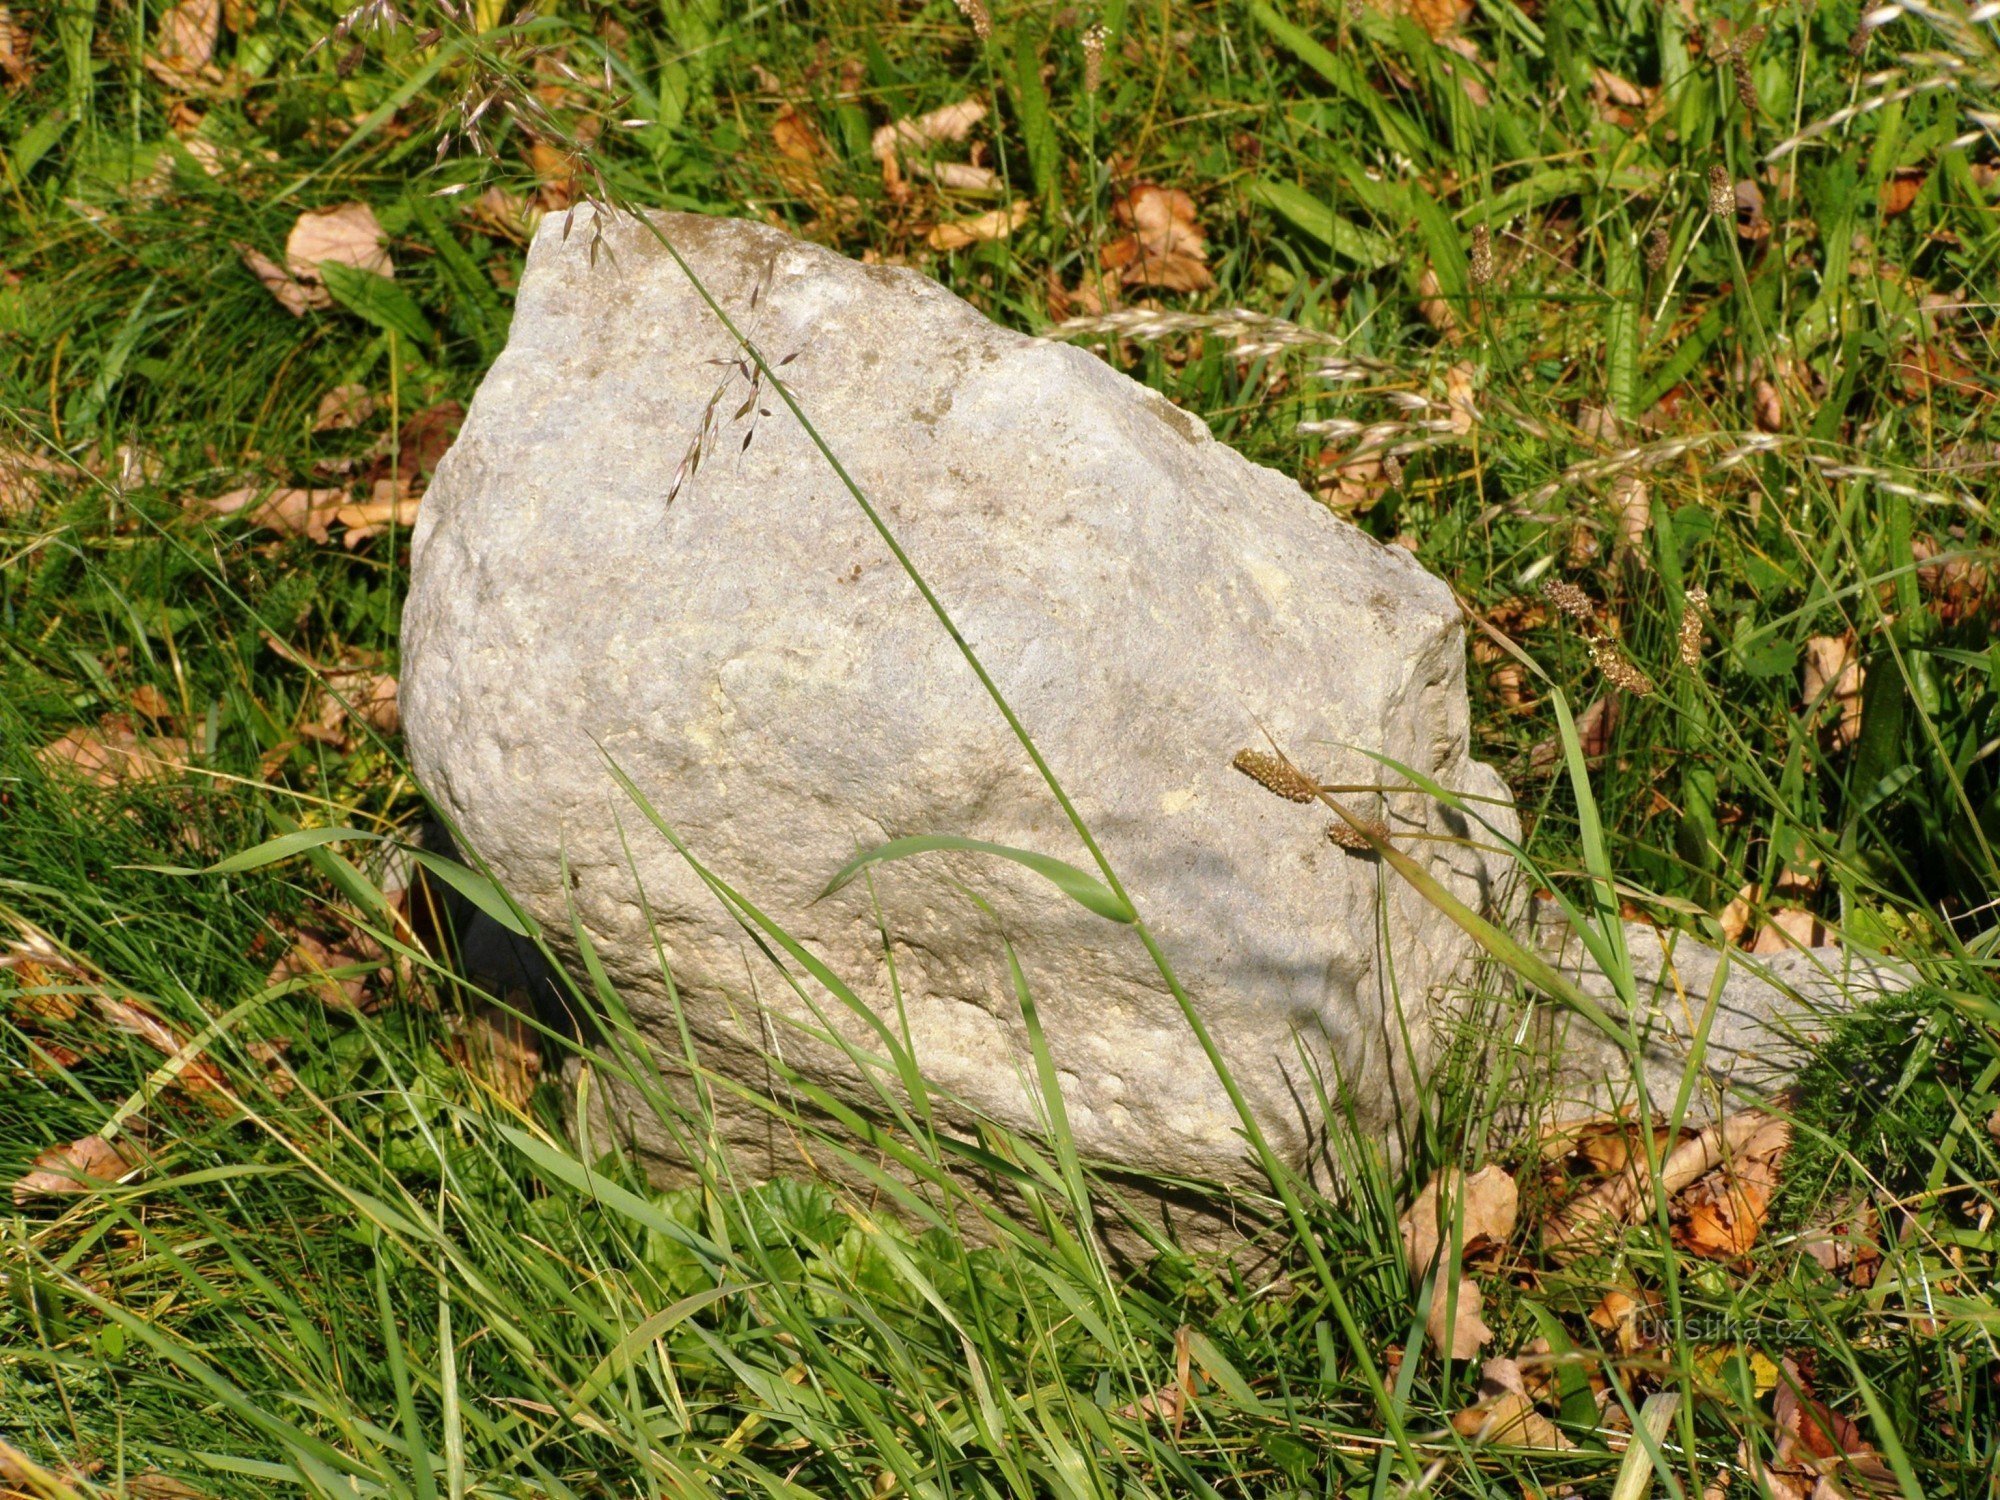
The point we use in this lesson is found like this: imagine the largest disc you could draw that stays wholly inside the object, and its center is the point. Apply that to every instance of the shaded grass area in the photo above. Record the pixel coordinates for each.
(374, 1274)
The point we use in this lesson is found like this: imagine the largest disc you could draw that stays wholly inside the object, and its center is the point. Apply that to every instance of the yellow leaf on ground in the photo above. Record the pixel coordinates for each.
(79, 1167)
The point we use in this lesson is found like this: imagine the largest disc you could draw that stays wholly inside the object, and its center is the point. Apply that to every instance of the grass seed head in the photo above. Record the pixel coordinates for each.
(1746, 86)
(1093, 56)
(1690, 639)
(1347, 836)
(1568, 598)
(1275, 774)
(1482, 256)
(981, 18)
(1721, 192)
(1619, 672)
(1659, 247)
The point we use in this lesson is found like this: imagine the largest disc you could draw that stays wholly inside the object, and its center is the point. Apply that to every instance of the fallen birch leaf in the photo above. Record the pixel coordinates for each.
(80, 1167)
(1595, 1215)
(1899, 193)
(995, 224)
(1505, 1412)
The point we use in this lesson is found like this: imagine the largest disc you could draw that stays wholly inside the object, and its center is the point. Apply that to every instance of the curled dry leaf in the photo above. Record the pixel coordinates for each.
(1845, 1242)
(80, 1167)
(1834, 676)
(1434, 309)
(996, 224)
(1165, 247)
(287, 510)
(1767, 407)
(1597, 1214)
(1720, 1216)
(1899, 193)
(1632, 505)
(801, 151)
(15, 58)
(294, 296)
(114, 754)
(1505, 1411)
(1169, 1403)
(1491, 1205)
(1437, 17)
(1629, 1316)
(953, 122)
(21, 477)
(389, 505)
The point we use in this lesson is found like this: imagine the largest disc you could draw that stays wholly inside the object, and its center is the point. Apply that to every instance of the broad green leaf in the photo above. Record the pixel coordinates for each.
(375, 298)
(1302, 210)
(1086, 890)
(480, 890)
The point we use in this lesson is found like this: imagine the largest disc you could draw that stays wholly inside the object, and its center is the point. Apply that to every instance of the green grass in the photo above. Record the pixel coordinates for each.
(386, 1280)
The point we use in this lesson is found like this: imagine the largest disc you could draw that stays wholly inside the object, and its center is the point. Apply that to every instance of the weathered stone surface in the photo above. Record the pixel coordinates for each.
(753, 658)
(1769, 1011)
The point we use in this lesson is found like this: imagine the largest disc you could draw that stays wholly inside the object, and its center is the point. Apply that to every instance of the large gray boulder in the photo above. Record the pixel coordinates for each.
(750, 655)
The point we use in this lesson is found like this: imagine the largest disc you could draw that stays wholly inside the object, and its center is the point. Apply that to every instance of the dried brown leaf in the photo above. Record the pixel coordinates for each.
(995, 224)
(294, 296)
(1509, 1417)
(348, 234)
(343, 407)
(82, 1166)
(1720, 1216)
(495, 1045)
(953, 122)
(1834, 675)
(113, 754)
(184, 41)
(1166, 248)
(1598, 1213)
(287, 510)
(1491, 1204)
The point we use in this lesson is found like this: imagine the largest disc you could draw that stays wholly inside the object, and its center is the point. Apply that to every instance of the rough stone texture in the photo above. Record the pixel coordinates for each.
(1769, 1011)
(754, 659)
